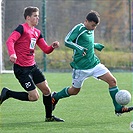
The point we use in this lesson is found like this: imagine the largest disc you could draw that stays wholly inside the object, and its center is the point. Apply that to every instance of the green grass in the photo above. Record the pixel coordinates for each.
(91, 111)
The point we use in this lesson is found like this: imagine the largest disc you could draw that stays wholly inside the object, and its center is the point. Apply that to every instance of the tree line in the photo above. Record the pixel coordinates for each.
(114, 30)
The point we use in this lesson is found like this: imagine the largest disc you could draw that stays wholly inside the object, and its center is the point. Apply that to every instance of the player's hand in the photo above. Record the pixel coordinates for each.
(13, 58)
(98, 46)
(55, 44)
(84, 51)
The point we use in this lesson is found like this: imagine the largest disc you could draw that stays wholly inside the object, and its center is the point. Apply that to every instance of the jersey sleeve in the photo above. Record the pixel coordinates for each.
(20, 29)
(44, 46)
(70, 40)
(15, 35)
(98, 46)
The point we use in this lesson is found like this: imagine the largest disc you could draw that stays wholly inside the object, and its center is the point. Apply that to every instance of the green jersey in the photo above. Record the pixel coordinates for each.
(81, 40)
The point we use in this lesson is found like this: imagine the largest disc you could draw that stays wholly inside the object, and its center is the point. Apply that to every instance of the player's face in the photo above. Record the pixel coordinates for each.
(90, 25)
(33, 19)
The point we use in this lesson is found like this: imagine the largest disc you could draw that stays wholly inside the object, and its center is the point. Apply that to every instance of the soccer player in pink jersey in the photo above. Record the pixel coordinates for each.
(21, 46)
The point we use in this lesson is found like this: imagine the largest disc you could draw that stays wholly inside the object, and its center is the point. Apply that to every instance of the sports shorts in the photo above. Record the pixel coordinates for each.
(79, 76)
(28, 77)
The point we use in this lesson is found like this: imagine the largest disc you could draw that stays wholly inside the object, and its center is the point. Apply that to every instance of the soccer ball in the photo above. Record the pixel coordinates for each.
(123, 97)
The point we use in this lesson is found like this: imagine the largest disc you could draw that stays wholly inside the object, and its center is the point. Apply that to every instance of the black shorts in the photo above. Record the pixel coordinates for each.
(28, 77)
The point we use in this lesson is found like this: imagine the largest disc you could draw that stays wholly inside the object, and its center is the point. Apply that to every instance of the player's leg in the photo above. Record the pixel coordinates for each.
(66, 92)
(113, 89)
(42, 84)
(77, 81)
(26, 82)
(23, 96)
(7, 93)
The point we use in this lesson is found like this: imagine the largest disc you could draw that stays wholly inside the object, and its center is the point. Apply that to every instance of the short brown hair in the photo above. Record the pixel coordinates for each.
(29, 10)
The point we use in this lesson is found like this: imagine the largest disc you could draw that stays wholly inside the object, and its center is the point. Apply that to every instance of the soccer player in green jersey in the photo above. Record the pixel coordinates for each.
(85, 62)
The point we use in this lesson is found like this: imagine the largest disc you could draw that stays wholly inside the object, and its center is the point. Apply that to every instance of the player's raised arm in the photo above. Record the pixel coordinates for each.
(45, 47)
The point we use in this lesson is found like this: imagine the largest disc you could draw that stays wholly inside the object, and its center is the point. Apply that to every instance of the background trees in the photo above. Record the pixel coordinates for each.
(114, 30)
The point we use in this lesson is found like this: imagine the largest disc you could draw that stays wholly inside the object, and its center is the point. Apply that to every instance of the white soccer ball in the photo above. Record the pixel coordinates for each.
(123, 97)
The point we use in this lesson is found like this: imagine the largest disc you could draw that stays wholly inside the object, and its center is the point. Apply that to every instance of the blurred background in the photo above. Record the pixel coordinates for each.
(58, 17)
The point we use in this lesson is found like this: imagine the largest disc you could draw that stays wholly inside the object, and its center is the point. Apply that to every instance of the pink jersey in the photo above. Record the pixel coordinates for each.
(22, 42)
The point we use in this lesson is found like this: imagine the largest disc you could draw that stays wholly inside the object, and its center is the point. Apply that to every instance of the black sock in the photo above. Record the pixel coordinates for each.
(48, 105)
(23, 96)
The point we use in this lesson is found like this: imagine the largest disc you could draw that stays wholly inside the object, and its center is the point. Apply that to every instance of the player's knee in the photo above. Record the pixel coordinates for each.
(34, 97)
(73, 91)
(47, 92)
(44, 88)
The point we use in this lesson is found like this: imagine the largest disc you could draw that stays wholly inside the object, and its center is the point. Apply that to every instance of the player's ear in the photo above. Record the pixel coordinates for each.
(85, 21)
(27, 17)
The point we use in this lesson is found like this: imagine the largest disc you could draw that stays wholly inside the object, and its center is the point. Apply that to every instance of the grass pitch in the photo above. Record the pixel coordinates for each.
(91, 111)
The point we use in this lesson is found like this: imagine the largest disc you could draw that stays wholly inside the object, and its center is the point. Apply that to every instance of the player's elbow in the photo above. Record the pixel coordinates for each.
(46, 52)
(66, 43)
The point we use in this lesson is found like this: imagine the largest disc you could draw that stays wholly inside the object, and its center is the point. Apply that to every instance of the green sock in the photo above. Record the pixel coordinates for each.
(112, 92)
(62, 94)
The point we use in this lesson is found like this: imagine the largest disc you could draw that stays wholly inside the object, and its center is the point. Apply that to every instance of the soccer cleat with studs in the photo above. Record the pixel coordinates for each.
(3, 95)
(123, 110)
(54, 119)
(54, 102)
